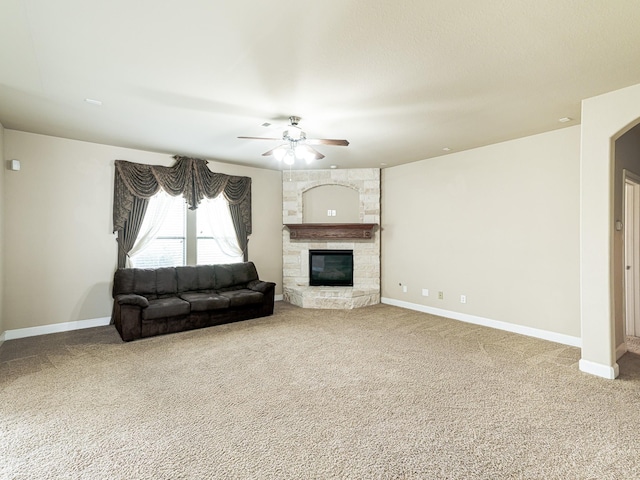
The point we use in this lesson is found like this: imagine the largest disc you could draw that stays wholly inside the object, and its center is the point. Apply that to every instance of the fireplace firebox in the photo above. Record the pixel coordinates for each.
(332, 268)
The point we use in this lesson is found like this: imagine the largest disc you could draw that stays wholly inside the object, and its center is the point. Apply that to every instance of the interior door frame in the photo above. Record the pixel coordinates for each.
(631, 257)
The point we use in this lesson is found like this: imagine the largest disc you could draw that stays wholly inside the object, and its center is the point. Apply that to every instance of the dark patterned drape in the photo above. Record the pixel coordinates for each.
(129, 232)
(135, 183)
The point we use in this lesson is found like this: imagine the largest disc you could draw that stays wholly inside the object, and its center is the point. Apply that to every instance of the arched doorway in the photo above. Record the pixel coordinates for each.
(605, 119)
(626, 240)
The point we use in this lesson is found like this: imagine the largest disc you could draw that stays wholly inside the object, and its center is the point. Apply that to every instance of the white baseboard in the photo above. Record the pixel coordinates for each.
(55, 328)
(598, 369)
(279, 298)
(487, 322)
(621, 350)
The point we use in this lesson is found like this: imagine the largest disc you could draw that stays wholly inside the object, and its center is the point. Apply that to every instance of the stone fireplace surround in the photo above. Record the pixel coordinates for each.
(366, 252)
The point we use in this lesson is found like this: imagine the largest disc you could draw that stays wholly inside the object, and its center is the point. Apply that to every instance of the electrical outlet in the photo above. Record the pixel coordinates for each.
(425, 292)
(440, 295)
(328, 213)
(404, 289)
(463, 299)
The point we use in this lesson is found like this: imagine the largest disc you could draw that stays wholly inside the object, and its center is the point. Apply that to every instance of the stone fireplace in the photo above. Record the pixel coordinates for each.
(301, 236)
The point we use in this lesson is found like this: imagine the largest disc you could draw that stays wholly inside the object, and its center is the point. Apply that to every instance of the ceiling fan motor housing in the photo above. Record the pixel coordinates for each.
(294, 134)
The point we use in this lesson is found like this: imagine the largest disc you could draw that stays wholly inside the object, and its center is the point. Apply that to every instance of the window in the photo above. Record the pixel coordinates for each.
(172, 235)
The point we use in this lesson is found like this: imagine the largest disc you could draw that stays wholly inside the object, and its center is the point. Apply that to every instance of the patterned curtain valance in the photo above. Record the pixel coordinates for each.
(189, 177)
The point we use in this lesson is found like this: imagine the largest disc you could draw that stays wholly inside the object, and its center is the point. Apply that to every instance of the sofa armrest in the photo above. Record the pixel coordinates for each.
(132, 299)
(260, 286)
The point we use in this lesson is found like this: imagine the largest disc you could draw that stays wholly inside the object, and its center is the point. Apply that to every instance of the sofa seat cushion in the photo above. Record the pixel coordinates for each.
(165, 307)
(201, 302)
(243, 296)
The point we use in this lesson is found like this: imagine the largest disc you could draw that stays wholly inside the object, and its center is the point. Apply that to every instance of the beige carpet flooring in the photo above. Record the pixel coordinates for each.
(633, 344)
(373, 393)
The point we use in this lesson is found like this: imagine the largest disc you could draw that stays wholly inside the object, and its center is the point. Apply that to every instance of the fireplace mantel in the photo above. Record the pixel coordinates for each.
(330, 231)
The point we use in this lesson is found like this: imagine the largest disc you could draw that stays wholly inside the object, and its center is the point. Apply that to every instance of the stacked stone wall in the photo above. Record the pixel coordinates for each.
(366, 253)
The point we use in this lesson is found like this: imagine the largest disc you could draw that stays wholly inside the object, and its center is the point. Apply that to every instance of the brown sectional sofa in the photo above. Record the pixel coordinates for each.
(150, 302)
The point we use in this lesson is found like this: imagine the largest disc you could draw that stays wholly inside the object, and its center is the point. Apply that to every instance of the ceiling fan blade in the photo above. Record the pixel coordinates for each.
(260, 138)
(326, 141)
(270, 152)
(318, 155)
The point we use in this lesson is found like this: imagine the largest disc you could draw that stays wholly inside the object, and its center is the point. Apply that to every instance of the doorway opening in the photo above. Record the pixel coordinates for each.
(632, 261)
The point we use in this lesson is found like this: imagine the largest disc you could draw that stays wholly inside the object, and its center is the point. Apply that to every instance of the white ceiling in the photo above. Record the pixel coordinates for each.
(399, 79)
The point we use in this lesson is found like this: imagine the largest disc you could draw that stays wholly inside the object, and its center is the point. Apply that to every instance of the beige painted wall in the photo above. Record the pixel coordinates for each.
(3, 169)
(344, 200)
(60, 253)
(498, 224)
(627, 156)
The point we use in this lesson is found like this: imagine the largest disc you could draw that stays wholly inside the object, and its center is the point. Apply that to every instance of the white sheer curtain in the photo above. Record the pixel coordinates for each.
(220, 226)
(157, 210)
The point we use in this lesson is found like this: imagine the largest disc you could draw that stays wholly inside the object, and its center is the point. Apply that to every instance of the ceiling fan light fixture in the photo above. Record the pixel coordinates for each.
(289, 157)
(280, 152)
(303, 152)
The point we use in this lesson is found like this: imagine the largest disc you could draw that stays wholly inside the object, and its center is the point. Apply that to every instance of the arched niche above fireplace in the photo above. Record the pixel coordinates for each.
(318, 202)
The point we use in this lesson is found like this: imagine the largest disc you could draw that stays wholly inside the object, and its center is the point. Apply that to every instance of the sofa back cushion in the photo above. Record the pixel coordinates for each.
(224, 276)
(195, 278)
(149, 282)
(166, 283)
(244, 273)
(187, 278)
(233, 275)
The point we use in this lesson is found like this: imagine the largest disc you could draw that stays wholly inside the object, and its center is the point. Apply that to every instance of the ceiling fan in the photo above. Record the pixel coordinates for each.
(296, 145)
